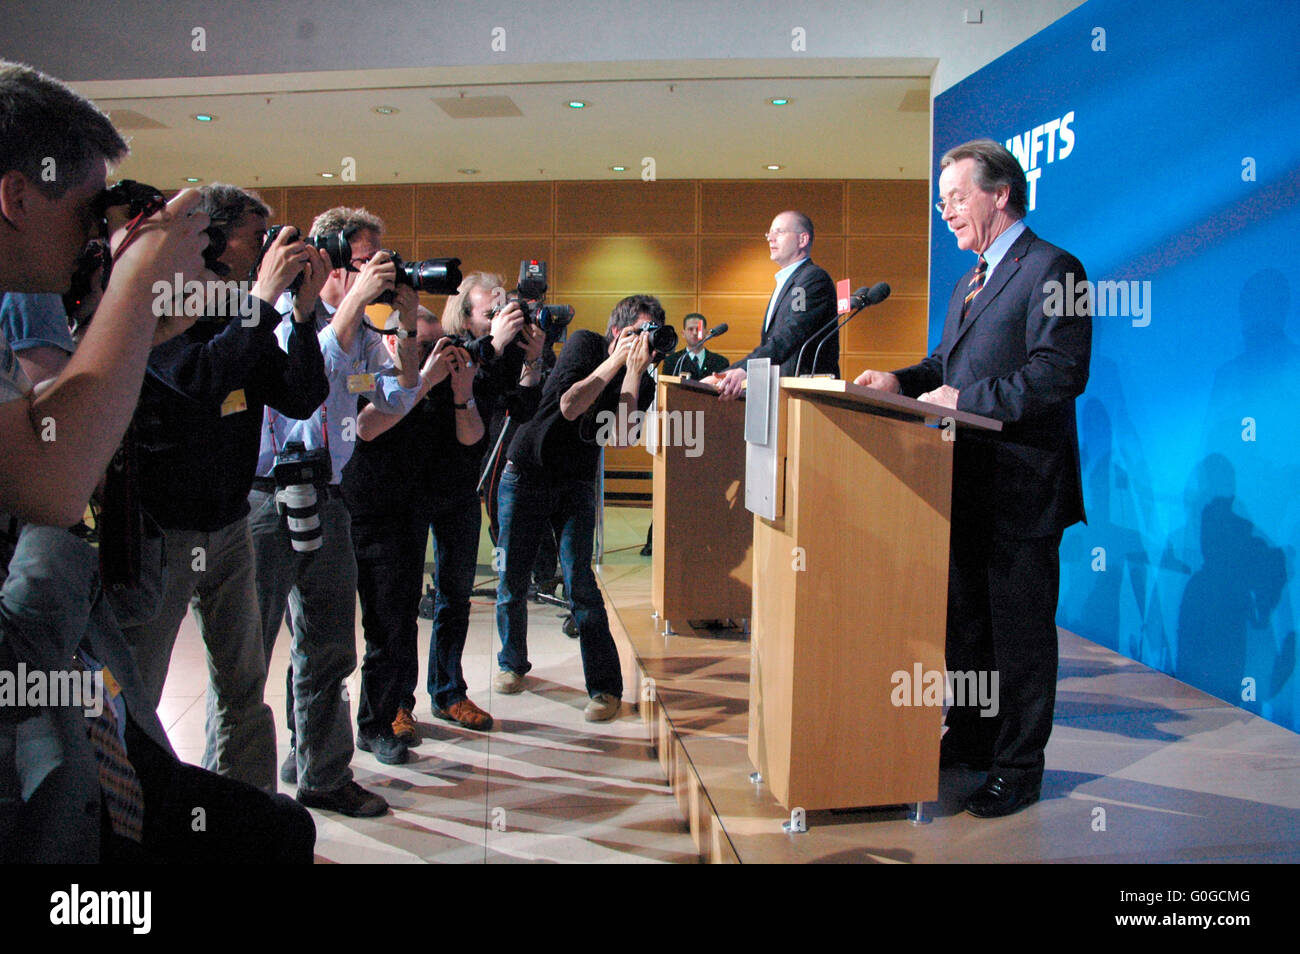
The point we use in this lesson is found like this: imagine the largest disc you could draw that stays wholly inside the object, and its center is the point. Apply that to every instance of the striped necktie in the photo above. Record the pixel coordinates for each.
(976, 283)
(118, 783)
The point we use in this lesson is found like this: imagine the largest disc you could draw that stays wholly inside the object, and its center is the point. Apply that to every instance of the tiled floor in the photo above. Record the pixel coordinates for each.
(1140, 767)
(543, 785)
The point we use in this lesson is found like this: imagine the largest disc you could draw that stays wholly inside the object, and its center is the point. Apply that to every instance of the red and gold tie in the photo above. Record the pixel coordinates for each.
(976, 283)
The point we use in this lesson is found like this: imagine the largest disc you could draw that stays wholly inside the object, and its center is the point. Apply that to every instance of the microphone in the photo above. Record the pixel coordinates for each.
(720, 330)
(859, 300)
(867, 297)
(870, 296)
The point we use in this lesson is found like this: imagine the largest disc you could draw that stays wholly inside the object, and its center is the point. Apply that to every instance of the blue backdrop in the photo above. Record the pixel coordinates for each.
(1162, 141)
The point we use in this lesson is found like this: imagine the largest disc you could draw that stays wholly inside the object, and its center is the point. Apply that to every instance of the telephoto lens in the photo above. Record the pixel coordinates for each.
(299, 473)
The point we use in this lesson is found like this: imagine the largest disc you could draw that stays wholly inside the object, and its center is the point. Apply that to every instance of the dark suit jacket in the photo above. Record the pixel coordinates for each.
(792, 325)
(51, 605)
(1020, 357)
(713, 363)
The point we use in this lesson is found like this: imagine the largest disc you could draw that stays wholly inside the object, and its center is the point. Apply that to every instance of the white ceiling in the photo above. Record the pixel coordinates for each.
(854, 119)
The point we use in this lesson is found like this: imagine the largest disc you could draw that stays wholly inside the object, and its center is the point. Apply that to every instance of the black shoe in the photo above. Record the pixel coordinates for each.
(647, 551)
(1000, 796)
(351, 800)
(386, 748)
(289, 768)
(570, 627)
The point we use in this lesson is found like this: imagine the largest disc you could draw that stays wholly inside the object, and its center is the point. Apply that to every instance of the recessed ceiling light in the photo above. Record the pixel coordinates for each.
(204, 117)
(618, 168)
(772, 167)
(779, 101)
(193, 179)
(577, 104)
(327, 175)
(386, 110)
(467, 171)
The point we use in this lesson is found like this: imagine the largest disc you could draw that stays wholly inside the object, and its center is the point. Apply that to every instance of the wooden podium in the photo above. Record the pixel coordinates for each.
(850, 594)
(703, 535)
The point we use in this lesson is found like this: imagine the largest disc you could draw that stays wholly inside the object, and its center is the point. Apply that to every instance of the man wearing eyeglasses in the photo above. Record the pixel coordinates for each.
(1010, 351)
(801, 305)
(319, 586)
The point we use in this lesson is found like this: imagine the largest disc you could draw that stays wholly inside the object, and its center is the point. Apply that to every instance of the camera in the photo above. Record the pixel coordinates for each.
(95, 257)
(663, 340)
(529, 293)
(434, 276)
(481, 350)
(335, 245)
(298, 474)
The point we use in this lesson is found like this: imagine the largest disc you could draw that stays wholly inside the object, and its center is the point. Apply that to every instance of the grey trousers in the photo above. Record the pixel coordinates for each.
(212, 573)
(320, 589)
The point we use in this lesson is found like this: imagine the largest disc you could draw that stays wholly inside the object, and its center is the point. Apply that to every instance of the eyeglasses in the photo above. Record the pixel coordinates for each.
(768, 235)
(958, 204)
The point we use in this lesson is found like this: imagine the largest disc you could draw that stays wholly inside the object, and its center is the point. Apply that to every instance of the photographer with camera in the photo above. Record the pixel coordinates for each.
(407, 474)
(550, 476)
(99, 783)
(300, 524)
(197, 432)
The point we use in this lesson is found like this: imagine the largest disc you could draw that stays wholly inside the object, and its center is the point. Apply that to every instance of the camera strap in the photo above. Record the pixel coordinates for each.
(270, 429)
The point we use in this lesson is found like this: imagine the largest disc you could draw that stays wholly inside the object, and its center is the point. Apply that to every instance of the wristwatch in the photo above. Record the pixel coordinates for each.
(464, 407)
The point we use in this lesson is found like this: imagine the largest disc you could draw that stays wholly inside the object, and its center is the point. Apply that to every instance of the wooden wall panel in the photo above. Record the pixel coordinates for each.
(895, 325)
(697, 245)
(394, 204)
(483, 208)
(624, 265)
(889, 207)
(899, 260)
(748, 207)
(613, 208)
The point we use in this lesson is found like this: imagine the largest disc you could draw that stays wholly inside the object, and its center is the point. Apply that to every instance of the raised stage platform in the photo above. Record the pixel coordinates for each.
(1140, 767)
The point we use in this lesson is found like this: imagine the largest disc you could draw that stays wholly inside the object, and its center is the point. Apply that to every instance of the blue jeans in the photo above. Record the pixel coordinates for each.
(455, 526)
(526, 507)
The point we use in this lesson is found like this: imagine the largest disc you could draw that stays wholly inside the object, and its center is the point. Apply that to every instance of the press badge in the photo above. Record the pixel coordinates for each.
(234, 403)
(360, 383)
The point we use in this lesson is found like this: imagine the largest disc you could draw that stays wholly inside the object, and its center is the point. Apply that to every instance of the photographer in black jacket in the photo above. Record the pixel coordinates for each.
(198, 429)
(504, 384)
(550, 480)
(409, 472)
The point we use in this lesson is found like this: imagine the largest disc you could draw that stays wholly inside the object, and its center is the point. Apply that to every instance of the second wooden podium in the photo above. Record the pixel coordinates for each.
(702, 535)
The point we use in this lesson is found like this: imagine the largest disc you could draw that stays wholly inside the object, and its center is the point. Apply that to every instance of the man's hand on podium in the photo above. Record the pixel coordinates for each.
(880, 380)
(942, 396)
(729, 383)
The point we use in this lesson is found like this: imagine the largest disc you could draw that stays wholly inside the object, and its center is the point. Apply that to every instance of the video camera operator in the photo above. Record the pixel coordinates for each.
(407, 474)
(100, 784)
(197, 431)
(550, 476)
(304, 556)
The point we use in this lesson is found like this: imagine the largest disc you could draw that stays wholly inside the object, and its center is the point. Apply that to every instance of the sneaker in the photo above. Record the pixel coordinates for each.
(383, 747)
(405, 727)
(602, 707)
(465, 713)
(351, 799)
(508, 682)
(289, 768)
